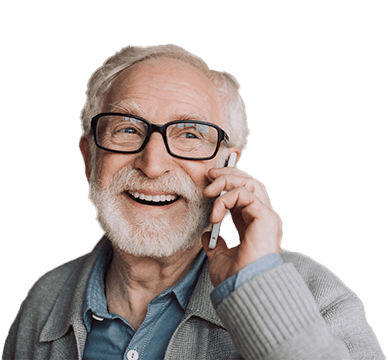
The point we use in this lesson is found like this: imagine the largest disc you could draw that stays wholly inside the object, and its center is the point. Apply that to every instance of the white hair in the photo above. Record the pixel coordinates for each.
(227, 85)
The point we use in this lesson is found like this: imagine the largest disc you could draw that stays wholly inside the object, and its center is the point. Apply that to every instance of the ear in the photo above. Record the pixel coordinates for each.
(87, 155)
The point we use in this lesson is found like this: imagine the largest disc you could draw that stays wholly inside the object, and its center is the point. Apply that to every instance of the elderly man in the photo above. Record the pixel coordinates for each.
(159, 127)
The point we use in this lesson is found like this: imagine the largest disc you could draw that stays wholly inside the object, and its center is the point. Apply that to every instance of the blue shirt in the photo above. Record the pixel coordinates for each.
(111, 337)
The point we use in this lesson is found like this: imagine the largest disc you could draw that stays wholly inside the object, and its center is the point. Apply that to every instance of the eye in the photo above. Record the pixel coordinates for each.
(128, 130)
(189, 136)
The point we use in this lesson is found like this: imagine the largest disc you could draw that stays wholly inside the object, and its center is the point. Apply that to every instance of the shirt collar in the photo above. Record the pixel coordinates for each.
(184, 289)
(96, 304)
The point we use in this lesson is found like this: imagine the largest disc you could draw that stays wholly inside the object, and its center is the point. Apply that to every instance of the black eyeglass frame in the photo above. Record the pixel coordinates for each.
(161, 129)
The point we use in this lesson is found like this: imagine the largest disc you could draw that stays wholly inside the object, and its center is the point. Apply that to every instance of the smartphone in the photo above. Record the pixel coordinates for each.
(216, 227)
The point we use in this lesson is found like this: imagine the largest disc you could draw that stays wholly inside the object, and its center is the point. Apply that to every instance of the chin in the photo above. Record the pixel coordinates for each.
(152, 237)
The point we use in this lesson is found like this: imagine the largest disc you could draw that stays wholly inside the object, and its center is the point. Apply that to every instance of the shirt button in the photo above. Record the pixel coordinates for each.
(97, 317)
(132, 355)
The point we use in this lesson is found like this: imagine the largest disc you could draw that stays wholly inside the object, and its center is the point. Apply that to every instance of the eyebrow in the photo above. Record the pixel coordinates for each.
(190, 116)
(127, 105)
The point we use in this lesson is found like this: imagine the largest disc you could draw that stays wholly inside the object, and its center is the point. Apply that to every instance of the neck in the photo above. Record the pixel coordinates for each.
(132, 282)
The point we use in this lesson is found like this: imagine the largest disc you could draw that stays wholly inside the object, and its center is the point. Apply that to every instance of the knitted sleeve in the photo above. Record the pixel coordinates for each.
(276, 316)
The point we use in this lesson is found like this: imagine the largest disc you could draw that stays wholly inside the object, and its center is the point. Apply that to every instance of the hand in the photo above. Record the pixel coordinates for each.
(258, 225)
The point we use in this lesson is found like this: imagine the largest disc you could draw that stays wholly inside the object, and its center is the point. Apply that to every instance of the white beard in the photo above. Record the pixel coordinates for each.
(150, 236)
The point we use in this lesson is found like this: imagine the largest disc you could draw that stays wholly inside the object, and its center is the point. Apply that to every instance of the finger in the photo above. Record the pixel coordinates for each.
(238, 198)
(229, 182)
(213, 173)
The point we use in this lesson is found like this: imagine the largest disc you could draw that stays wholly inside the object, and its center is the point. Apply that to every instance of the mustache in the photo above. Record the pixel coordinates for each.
(129, 179)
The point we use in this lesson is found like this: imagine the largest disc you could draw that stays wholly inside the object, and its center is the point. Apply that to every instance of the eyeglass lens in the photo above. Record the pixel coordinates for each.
(186, 139)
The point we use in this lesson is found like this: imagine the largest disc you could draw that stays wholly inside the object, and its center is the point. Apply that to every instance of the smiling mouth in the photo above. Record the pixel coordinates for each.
(153, 200)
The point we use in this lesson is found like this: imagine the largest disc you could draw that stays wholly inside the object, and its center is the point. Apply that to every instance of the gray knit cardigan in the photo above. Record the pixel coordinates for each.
(298, 310)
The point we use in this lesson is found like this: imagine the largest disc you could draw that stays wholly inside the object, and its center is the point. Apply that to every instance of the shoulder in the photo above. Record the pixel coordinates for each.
(67, 275)
(57, 282)
(324, 285)
(309, 269)
(46, 289)
(49, 284)
(61, 290)
(303, 263)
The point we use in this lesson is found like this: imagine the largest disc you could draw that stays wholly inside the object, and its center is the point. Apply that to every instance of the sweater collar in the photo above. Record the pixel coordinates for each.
(69, 306)
(96, 303)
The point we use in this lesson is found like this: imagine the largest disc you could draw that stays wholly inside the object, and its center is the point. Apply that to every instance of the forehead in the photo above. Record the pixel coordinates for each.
(164, 89)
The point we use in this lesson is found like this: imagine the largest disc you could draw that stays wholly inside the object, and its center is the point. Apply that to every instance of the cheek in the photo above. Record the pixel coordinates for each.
(107, 165)
(198, 173)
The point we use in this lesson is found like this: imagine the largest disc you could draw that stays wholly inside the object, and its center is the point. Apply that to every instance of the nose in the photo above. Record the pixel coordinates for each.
(154, 160)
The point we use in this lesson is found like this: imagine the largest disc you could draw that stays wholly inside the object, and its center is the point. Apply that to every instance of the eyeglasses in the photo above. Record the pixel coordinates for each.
(184, 139)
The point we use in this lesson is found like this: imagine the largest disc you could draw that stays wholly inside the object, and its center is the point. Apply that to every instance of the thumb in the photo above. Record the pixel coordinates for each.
(205, 242)
(220, 246)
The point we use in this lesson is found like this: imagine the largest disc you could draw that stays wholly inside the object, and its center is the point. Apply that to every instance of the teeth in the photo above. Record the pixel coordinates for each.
(155, 198)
